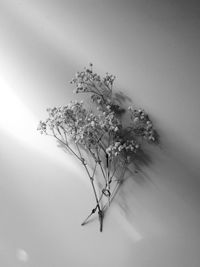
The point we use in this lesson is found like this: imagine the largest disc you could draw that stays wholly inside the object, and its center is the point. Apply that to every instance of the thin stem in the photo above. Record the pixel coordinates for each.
(114, 192)
(64, 131)
(92, 212)
(108, 162)
(84, 164)
(91, 179)
(66, 146)
(94, 189)
(92, 153)
(79, 151)
(97, 89)
(108, 174)
(58, 130)
(102, 145)
(112, 195)
(99, 162)
(100, 212)
(112, 175)
(94, 170)
(92, 182)
(124, 163)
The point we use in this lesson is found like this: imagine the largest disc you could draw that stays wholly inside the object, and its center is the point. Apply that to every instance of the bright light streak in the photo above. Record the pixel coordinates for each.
(15, 118)
(17, 121)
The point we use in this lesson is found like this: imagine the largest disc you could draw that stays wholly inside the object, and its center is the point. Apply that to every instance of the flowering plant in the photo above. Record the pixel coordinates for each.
(99, 132)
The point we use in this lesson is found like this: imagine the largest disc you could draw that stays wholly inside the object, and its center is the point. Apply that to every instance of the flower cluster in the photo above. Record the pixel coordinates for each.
(80, 125)
(88, 81)
(84, 79)
(119, 147)
(109, 80)
(141, 124)
(42, 127)
(109, 122)
(88, 131)
(65, 117)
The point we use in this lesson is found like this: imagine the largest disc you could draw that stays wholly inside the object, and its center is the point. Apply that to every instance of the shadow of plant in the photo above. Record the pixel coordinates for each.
(143, 157)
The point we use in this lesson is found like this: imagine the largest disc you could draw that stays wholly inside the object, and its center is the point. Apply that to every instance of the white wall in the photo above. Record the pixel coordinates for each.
(153, 49)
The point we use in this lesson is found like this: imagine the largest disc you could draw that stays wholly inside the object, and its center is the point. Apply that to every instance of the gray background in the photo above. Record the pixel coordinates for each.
(153, 49)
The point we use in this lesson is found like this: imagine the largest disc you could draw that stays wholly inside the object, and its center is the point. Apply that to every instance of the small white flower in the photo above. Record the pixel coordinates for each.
(108, 149)
(120, 148)
(92, 123)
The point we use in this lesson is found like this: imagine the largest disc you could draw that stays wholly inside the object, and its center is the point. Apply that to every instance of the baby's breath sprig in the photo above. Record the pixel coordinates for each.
(100, 133)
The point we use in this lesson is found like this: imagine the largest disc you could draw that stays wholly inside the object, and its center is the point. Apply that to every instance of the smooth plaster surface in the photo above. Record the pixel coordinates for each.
(153, 49)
